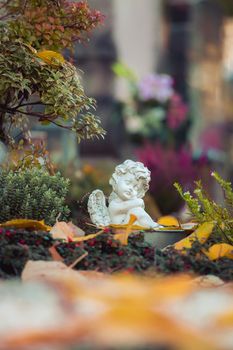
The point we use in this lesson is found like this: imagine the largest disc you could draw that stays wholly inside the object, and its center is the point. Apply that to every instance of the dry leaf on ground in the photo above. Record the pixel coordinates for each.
(201, 234)
(220, 250)
(66, 231)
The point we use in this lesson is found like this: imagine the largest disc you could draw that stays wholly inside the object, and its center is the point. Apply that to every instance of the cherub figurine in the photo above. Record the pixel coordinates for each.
(130, 181)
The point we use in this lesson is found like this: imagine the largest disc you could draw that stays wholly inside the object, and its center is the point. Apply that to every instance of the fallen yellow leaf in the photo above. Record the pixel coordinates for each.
(220, 250)
(27, 223)
(201, 234)
(168, 221)
(51, 57)
(87, 237)
(123, 237)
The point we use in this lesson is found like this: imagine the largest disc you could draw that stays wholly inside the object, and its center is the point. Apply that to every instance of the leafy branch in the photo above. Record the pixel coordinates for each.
(29, 80)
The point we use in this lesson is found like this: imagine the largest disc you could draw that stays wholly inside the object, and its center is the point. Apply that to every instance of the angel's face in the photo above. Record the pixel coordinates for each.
(127, 187)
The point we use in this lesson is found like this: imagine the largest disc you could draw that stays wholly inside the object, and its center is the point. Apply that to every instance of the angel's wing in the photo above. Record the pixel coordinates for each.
(97, 208)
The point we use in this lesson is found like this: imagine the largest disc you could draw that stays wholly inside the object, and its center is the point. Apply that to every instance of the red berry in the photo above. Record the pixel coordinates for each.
(91, 243)
(120, 253)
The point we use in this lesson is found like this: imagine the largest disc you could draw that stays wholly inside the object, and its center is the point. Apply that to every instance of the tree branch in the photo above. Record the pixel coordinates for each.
(19, 104)
(60, 125)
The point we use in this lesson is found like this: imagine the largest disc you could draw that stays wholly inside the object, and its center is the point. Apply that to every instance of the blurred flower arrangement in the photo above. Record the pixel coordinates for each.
(157, 121)
(154, 110)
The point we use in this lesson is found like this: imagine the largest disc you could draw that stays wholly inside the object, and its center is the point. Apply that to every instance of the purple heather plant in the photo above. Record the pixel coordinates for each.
(169, 165)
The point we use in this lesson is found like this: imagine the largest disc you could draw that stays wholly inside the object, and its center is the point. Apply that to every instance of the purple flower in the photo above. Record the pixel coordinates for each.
(156, 87)
(169, 165)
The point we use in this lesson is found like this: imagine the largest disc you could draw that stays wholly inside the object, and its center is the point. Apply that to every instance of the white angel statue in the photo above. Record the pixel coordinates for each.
(129, 182)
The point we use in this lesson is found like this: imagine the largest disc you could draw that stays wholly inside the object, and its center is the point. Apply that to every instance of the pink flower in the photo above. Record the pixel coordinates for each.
(212, 138)
(177, 112)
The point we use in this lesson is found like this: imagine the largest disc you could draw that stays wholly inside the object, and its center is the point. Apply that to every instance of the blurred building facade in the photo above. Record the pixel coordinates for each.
(146, 36)
(124, 37)
(189, 39)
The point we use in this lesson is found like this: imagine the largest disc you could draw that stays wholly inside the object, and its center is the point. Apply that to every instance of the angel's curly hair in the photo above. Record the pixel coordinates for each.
(135, 168)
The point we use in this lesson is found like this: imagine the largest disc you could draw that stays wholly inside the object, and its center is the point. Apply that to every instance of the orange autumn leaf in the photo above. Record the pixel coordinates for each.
(133, 311)
(54, 254)
(57, 270)
(27, 223)
(129, 228)
(168, 221)
(225, 319)
(220, 250)
(69, 231)
(51, 57)
(123, 237)
(87, 237)
(77, 231)
(48, 270)
(201, 234)
(66, 231)
(129, 310)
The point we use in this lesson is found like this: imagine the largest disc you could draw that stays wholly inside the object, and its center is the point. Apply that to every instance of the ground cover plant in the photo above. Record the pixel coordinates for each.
(104, 253)
(172, 261)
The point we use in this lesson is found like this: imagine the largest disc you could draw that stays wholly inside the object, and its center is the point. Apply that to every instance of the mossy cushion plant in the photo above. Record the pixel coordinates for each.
(33, 194)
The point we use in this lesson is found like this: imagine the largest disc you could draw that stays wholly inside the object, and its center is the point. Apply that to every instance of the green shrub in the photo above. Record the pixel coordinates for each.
(205, 209)
(32, 194)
